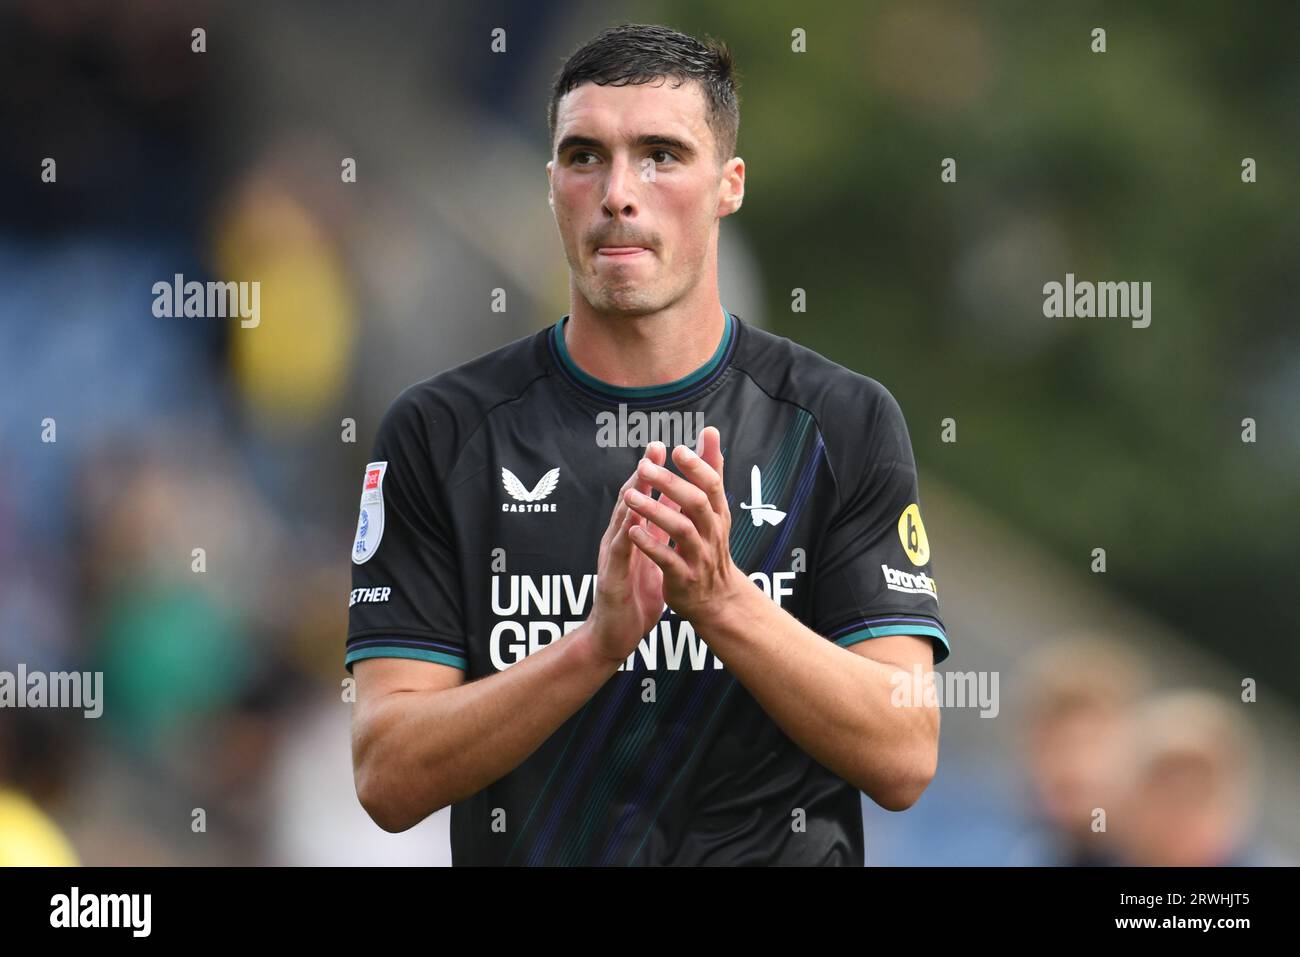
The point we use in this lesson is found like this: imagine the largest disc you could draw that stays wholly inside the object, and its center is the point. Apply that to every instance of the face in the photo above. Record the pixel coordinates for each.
(637, 193)
(1181, 815)
(1071, 764)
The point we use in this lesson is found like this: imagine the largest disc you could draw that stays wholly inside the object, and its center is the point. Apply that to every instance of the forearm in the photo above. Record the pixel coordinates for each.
(838, 706)
(418, 751)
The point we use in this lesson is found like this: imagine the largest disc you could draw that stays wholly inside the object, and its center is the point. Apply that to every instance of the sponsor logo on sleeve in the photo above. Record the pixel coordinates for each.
(913, 583)
(912, 534)
(364, 595)
(370, 523)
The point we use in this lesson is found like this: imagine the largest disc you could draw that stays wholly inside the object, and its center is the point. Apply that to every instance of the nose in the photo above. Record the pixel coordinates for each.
(620, 189)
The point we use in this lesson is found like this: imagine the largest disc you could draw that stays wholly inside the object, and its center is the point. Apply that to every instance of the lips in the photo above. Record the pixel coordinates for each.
(620, 251)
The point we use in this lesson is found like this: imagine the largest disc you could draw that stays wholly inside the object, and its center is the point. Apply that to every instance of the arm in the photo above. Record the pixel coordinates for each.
(837, 703)
(424, 738)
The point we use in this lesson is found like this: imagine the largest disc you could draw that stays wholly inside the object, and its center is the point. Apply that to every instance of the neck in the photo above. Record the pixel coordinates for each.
(637, 351)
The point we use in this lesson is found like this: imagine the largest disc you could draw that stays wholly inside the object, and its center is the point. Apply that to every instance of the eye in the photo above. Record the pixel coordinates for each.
(664, 152)
(574, 157)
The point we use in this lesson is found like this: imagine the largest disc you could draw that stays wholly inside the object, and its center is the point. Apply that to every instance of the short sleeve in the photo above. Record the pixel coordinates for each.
(406, 598)
(872, 574)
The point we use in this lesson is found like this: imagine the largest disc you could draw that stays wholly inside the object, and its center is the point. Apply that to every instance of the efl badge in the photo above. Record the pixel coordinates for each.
(370, 523)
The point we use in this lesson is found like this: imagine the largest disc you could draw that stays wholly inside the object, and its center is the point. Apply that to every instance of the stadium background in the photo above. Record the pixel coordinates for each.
(223, 688)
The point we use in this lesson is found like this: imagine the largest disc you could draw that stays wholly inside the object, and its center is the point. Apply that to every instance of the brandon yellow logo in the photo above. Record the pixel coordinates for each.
(912, 534)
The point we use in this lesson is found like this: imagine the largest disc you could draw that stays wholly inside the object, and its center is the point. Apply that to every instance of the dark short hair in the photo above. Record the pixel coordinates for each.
(634, 53)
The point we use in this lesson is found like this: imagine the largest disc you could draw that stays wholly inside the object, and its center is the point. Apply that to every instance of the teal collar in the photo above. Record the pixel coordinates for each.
(643, 392)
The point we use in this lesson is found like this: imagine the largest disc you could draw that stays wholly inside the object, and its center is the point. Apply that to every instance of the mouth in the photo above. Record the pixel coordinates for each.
(621, 252)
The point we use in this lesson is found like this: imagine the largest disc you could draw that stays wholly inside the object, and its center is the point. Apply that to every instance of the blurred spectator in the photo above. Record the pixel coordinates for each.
(1077, 694)
(1191, 787)
(28, 838)
(37, 749)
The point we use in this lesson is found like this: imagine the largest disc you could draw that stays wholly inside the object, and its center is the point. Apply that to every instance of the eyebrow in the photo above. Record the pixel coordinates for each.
(645, 139)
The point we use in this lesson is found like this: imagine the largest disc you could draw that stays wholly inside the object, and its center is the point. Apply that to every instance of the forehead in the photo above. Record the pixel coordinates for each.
(663, 105)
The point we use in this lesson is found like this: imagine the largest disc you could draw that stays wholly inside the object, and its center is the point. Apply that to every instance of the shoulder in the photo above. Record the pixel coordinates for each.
(848, 406)
(443, 410)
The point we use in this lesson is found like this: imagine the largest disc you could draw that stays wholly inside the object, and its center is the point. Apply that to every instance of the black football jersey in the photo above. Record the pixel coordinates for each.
(481, 516)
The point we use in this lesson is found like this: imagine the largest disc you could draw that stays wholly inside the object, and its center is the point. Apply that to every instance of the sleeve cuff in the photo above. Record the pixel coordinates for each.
(399, 651)
(880, 627)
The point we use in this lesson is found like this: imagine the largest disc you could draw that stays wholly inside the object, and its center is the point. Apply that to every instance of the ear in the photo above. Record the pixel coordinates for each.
(731, 190)
(550, 189)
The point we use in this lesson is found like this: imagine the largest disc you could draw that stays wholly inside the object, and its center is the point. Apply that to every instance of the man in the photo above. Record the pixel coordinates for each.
(598, 656)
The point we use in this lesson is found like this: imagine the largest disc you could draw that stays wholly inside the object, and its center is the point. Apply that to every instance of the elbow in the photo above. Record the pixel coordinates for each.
(387, 802)
(902, 794)
(909, 779)
(384, 796)
(377, 799)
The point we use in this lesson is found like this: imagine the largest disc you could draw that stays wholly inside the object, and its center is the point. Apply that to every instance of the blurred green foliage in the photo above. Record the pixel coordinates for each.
(1117, 166)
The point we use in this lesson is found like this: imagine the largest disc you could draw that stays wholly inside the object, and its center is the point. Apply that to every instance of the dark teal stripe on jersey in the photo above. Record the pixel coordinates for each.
(744, 540)
(402, 651)
(808, 440)
(639, 723)
(637, 741)
(537, 801)
(674, 391)
(636, 745)
(930, 629)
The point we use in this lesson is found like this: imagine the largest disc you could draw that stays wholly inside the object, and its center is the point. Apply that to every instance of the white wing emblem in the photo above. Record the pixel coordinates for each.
(518, 491)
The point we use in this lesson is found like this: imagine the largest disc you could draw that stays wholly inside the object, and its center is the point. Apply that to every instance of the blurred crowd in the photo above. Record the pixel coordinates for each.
(1119, 773)
(170, 502)
(1099, 765)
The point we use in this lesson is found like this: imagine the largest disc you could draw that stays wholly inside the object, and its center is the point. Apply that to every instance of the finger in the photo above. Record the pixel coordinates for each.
(702, 474)
(616, 515)
(692, 499)
(620, 549)
(666, 558)
(668, 502)
(709, 448)
(656, 452)
(618, 520)
(670, 521)
(656, 530)
(623, 551)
